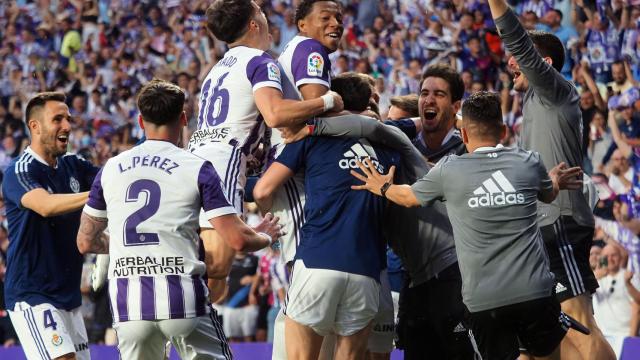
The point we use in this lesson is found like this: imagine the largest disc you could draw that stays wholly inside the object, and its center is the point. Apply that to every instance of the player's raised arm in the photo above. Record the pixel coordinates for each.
(540, 64)
(279, 112)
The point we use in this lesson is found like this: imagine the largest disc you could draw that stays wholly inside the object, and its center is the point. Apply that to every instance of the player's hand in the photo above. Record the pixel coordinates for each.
(372, 179)
(295, 133)
(269, 225)
(567, 178)
(338, 104)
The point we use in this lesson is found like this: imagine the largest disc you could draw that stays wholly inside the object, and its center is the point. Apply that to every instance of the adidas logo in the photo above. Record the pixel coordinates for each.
(560, 288)
(358, 153)
(459, 328)
(495, 191)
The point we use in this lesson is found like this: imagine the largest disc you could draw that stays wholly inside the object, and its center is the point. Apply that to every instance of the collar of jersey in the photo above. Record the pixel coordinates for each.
(37, 157)
(489, 148)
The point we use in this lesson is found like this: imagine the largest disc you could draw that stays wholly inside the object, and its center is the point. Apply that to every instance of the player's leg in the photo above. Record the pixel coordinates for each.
(197, 338)
(380, 343)
(568, 245)
(357, 308)
(495, 333)
(42, 331)
(540, 327)
(328, 348)
(279, 351)
(140, 339)
(311, 306)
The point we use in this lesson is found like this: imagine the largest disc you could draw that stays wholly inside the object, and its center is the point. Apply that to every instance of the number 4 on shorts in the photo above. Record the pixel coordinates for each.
(48, 320)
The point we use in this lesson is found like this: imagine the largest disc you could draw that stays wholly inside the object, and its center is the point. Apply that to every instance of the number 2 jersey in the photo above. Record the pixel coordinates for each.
(151, 196)
(229, 124)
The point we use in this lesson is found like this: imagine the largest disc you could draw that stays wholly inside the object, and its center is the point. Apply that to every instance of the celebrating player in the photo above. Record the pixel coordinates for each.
(493, 212)
(240, 94)
(552, 125)
(44, 190)
(150, 198)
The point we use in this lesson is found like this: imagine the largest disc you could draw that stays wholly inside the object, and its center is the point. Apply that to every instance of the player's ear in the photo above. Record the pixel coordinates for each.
(548, 60)
(465, 136)
(183, 119)
(140, 121)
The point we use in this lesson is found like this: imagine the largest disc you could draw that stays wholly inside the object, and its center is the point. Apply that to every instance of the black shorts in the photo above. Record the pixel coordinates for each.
(535, 325)
(432, 319)
(568, 245)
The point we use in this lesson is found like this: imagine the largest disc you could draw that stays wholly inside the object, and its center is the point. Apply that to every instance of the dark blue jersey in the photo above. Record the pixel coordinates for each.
(43, 262)
(343, 227)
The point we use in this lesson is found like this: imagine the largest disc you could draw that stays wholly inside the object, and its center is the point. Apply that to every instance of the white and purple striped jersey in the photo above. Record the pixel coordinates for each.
(303, 61)
(152, 196)
(228, 115)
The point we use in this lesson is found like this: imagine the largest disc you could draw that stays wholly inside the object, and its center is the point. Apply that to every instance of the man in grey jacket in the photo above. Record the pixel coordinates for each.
(552, 125)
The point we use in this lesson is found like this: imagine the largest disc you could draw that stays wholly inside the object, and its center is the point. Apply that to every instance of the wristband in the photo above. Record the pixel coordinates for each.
(267, 236)
(384, 188)
(328, 101)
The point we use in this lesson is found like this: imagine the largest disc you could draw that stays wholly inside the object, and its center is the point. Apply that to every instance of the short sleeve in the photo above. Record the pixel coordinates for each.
(292, 155)
(262, 71)
(430, 187)
(19, 180)
(96, 205)
(546, 185)
(214, 201)
(310, 64)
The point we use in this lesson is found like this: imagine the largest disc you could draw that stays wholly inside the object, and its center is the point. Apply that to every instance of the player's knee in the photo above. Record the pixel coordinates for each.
(579, 308)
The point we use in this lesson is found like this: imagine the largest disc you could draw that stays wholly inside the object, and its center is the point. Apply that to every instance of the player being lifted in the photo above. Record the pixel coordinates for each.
(240, 94)
(150, 197)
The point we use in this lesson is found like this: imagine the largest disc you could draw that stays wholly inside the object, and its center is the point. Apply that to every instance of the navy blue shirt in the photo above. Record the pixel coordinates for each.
(43, 262)
(342, 229)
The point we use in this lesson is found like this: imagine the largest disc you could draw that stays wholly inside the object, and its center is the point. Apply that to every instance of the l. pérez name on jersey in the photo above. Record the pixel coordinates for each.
(164, 164)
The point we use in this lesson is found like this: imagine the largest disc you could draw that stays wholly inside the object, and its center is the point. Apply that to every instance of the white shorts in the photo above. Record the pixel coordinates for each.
(239, 322)
(383, 332)
(279, 350)
(331, 301)
(200, 337)
(47, 333)
(288, 205)
(231, 166)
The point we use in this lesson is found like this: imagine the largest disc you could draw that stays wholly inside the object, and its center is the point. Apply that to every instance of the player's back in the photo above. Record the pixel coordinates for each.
(343, 227)
(228, 112)
(153, 200)
(493, 210)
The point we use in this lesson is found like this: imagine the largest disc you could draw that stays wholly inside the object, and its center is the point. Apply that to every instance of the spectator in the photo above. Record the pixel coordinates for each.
(621, 82)
(613, 299)
(621, 173)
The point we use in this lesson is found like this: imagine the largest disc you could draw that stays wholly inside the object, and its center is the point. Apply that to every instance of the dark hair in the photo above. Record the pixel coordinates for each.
(557, 11)
(408, 103)
(38, 102)
(227, 19)
(618, 62)
(354, 89)
(448, 74)
(482, 115)
(160, 102)
(305, 7)
(549, 45)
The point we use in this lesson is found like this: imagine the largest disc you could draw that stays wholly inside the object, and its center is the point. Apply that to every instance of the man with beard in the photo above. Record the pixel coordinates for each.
(44, 191)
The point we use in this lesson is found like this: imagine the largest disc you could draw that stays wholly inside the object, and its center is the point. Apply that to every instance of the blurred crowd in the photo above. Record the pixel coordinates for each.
(100, 52)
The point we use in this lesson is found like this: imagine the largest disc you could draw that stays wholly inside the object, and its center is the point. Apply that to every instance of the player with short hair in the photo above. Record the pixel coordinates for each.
(241, 94)
(150, 198)
(44, 190)
(493, 210)
(552, 125)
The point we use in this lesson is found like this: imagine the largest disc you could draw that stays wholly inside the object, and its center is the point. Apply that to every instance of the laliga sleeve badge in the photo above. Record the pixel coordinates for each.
(273, 72)
(56, 339)
(315, 64)
(74, 184)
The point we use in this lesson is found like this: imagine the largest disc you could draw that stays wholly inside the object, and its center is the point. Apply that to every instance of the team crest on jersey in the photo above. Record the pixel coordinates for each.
(56, 339)
(273, 72)
(74, 184)
(315, 64)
